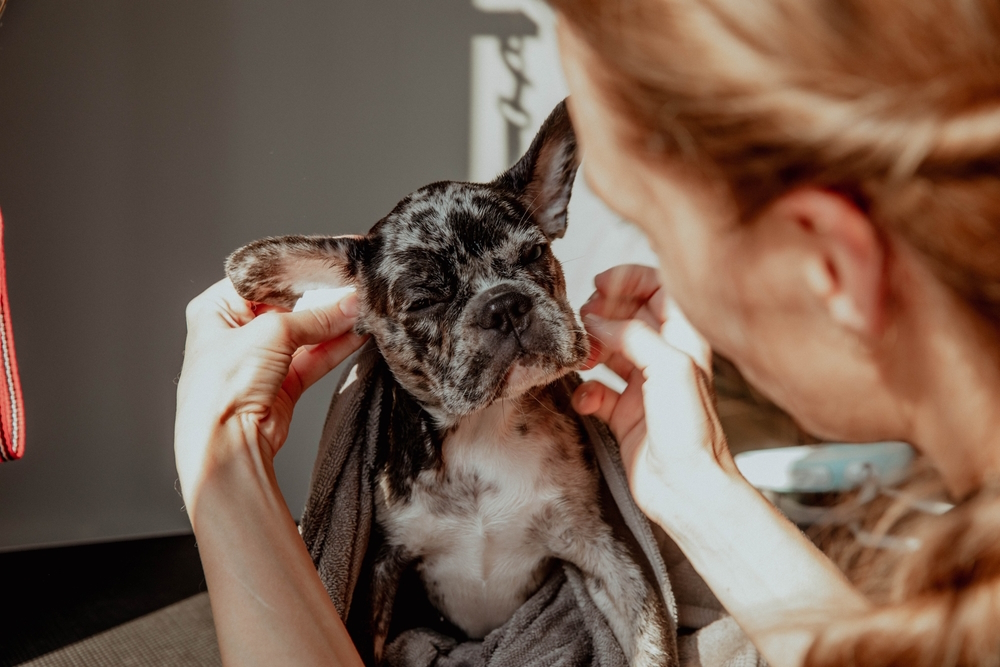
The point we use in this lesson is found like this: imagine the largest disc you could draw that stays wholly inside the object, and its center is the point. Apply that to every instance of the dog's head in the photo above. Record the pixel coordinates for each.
(457, 284)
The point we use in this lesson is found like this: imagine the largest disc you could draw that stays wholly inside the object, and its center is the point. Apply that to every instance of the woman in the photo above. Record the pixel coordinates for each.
(819, 181)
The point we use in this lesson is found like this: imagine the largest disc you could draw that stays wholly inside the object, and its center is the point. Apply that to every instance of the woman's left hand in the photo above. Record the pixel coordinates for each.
(244, 369)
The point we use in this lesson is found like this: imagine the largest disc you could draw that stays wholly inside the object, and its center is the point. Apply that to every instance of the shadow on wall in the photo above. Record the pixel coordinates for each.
(139, 144)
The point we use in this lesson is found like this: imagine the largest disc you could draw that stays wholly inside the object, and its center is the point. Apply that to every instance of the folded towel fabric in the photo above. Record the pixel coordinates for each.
(558, 625)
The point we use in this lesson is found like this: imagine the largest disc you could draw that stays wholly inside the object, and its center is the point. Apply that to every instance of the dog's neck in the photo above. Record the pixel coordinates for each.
(524, 401)
(498, 415)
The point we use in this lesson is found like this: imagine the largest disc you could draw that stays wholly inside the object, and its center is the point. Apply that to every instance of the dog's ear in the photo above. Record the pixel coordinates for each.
(278, 269)
(543, 178)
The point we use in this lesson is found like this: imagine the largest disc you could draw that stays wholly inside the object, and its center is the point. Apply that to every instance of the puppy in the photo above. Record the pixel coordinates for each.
(488, 481)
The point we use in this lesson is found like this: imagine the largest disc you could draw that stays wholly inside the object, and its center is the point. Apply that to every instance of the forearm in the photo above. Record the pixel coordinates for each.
(269, 605)
(777, 585)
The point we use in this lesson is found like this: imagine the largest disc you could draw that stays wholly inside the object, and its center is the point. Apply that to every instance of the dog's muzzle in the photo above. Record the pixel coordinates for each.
(504, 310)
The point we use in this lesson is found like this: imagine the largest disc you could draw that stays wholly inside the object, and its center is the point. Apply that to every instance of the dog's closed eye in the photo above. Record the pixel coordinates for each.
(426, 301)
(534, 253)
(421, 304)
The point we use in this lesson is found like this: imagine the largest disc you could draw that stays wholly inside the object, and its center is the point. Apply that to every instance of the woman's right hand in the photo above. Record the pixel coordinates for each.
(773, 581)
(665, 419)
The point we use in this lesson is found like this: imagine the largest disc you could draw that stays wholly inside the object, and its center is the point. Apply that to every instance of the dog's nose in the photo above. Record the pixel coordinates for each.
(506, 312)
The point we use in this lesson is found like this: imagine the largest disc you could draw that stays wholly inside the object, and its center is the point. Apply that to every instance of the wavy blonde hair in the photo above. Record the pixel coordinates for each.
(893, 103)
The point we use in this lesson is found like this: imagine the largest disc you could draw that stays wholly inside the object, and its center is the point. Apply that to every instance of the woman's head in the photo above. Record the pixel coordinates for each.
(821, 181)
(802, 168)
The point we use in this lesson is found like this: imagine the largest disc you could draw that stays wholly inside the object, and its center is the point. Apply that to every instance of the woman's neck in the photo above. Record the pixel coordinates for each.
(953, 373)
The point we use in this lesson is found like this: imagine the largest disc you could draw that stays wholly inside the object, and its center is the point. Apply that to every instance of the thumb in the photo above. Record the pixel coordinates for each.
(679, 332)
(322, 323)
(675, 396)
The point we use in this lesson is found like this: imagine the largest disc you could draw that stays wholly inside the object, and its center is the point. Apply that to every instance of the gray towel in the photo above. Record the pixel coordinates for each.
(558, 625)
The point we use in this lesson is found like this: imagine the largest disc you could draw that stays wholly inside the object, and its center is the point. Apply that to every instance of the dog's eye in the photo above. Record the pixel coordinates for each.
(422, 304)
(419, 304)
(535, 253)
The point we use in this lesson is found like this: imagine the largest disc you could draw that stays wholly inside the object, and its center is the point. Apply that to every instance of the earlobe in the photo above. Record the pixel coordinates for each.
(844, 266)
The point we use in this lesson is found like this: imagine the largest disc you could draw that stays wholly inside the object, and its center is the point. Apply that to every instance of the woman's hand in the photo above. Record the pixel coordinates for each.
(774, 582)
(244, 370)
(665, 419)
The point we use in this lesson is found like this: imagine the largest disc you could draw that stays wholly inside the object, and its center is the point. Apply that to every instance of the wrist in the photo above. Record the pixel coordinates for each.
(221, 461)
(684, 498)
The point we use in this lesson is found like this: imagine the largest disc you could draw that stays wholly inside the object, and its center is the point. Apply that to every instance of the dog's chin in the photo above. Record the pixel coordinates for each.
(524, 377)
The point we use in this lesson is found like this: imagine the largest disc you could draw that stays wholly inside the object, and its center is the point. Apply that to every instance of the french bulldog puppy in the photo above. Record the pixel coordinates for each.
(487, 481)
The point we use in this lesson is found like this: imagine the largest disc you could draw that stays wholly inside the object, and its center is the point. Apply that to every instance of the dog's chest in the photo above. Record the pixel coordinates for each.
(475, 525)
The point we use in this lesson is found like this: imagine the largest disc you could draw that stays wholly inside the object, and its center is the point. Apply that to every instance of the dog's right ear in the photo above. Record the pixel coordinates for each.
(543, 178)
(276, 270)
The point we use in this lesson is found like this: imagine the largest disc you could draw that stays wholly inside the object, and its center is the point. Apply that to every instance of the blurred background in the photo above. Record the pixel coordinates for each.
(141, 142)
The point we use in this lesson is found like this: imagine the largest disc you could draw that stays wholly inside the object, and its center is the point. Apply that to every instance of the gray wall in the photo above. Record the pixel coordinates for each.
(142, 141)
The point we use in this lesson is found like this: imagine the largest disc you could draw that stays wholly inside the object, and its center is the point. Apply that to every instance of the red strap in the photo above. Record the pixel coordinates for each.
(11, 402)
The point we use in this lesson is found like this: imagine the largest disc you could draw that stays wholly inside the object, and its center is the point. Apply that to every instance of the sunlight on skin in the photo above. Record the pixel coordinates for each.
(244, 369)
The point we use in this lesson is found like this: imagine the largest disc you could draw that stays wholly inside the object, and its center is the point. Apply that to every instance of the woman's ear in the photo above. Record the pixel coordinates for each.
(844, 262)
(276, 270)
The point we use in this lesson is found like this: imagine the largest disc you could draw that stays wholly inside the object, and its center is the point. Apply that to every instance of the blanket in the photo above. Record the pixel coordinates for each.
(558, 625)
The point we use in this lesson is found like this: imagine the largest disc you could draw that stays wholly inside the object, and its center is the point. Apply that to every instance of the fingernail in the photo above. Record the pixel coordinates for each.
(590, 300)
(349, 305)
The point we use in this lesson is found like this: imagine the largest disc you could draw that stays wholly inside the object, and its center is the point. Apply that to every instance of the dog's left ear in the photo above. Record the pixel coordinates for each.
(543, 178)
(276, 270)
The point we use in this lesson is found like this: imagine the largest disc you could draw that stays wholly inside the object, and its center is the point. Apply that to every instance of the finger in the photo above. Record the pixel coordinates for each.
(630, 409)
(619, 365)
(675, 387)
(261, 308)
(618, 307)
(320, 324)
(639, 343)
(652, 311)
(649, 314)
(631, 280)
(602, 354)
(595, 398)
(621, 412)
(311, 363)
(612, 307)
(218, 307)
(679, 332)
(629, 292)
(657, 305)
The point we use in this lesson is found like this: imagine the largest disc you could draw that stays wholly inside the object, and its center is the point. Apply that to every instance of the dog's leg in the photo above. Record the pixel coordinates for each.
(391, 563)
(614, 580)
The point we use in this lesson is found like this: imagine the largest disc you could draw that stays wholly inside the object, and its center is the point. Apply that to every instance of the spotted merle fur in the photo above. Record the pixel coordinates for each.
(479, 448)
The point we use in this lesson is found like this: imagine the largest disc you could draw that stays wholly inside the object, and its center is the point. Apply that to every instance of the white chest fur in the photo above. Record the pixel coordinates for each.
(474, 526)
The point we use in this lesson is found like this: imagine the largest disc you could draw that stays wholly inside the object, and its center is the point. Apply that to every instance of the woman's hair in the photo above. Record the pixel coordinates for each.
(896, 105)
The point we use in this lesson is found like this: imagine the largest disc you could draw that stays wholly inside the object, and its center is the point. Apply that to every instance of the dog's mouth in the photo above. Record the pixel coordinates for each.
(528, 371)
(494, 370)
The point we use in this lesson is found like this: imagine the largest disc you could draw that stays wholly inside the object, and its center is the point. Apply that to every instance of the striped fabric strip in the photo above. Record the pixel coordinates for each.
(11, 402)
